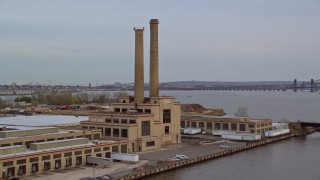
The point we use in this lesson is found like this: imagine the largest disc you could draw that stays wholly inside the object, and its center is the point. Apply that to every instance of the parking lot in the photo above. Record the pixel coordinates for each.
(190, 147)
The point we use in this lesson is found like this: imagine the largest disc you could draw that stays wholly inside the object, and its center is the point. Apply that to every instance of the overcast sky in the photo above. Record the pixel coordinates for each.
(92, 41)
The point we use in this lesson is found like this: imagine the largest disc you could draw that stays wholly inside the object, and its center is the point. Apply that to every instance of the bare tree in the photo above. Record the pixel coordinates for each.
(242, 112)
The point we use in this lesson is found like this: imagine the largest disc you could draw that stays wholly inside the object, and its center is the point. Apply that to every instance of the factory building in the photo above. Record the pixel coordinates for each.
(147, 123)
(236, 124)
(32, 151)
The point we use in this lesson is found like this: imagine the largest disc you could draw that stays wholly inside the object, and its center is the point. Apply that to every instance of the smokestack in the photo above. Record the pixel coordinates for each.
(154, 59)
(138, 67)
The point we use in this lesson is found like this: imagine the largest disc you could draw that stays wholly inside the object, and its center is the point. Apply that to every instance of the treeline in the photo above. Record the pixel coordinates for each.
(59, 99)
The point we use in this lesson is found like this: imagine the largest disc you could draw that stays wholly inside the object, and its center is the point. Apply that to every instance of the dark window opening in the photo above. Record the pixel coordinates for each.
(242, 127)
(124, 148)
(225, 126)
(132, 121)
(124, 121)
(217, 126)
(166, 130)
(147, 111)
(108, 120)
(209, 125)
(116, 109)
(145, 128)
(115, 120)
(201, 124)
(124, 133)
(107, 131)
(115, 132)
(233, 127)
(166, 116)
(194, 124)
(115, 149)
(150, 143)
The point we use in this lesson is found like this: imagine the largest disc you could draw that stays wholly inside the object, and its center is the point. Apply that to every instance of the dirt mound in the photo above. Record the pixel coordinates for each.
(193, 108)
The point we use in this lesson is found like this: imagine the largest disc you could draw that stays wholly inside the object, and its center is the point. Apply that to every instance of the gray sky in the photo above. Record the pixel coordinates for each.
(82, 41)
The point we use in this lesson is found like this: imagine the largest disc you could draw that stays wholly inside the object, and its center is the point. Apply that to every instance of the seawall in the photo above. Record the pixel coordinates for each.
(184, 163)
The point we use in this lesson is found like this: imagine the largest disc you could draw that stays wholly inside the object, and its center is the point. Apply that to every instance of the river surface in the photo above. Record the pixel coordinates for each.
(294, 159)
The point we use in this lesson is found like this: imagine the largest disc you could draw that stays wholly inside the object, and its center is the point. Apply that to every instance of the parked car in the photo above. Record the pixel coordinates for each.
(224, 146)
(174, 159)
(182, 156)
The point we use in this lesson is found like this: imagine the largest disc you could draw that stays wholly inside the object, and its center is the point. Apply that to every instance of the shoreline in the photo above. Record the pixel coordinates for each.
(180, 164)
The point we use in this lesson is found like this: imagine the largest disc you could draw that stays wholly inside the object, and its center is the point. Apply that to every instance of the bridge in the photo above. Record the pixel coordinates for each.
(312, 86)
(314, 125)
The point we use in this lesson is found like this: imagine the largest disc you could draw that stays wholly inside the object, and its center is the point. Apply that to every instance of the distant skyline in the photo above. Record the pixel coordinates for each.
(82, 41)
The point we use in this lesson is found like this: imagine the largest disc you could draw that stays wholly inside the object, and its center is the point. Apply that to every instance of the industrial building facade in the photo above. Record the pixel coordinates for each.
(27, 157)
(236, 124)
(146, 123)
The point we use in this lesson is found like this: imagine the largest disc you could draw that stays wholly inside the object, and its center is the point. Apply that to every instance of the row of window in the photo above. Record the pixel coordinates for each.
(68, 154)
(120, 121)
(217, 126)
(116, 132)
(138, 110)
(27, 143)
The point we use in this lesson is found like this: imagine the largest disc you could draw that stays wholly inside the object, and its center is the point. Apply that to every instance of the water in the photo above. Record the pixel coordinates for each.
(293, 159)
(278, 106)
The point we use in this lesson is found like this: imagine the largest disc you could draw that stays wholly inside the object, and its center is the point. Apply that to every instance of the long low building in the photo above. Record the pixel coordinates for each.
(226, 123)
(30, 151)
(45, 135)
(20, 162)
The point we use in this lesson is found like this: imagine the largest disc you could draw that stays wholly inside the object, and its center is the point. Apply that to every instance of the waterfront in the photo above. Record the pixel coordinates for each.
(293, 159)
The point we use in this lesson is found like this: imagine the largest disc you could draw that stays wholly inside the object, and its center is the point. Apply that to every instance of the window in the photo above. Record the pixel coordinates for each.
(116, 109)
(88, 151)
(124, 148)
(124, 109)
(166, 130)
(108, 120)
(182, 124)
(140, 110)
(124, 121)
(115, 132)
(56, 156)
(77, 152)
(201, 124)
(233, 127)
(21, 161)
(251, 125)
(145, 128)
(17, 143)
(50, 139)
(115, 120)
(96, 136)
(115, 148)
(9, 163)
(124, 132)
(36, 159)
(68, 154)
(194, 124)
(97, 150)
(188, 123)
(107, 131)
(106, 148)
(225, 126)
(45, 158)
(132, 121)
(242, 127)
(147, 111)
(166, 116)
(217, 126)
(5, 145)
(209, 125)
(150, 143)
